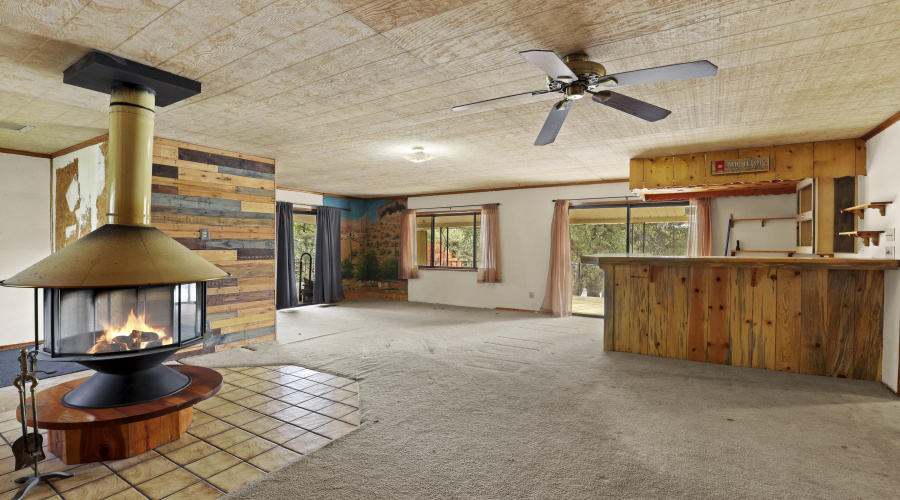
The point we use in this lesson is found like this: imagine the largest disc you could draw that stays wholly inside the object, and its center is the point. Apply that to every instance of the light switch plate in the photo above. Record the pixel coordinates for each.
(889, 234)
(889, 252)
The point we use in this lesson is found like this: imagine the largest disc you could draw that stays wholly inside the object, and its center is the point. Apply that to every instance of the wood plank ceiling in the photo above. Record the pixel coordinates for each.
(336, 91)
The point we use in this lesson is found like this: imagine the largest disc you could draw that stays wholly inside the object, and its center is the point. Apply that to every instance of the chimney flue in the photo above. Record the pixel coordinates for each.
(130, 154)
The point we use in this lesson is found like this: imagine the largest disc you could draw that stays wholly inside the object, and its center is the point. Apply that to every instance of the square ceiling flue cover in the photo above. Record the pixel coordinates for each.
(100, 71)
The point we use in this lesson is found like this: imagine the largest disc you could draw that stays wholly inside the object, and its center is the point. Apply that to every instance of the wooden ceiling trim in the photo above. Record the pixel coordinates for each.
(509, 188)
(24, 153)
(80, 145)
(881, 127)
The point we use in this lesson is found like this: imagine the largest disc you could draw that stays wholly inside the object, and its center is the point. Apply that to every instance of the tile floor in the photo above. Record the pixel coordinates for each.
(263, 418)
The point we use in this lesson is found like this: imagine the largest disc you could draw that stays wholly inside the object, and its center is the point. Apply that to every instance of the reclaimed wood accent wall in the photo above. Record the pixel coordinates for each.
(812, 321)
(233, 197)
(825, 159)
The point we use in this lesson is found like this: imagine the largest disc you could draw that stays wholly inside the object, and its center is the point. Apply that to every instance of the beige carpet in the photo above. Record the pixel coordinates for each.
(473, 403)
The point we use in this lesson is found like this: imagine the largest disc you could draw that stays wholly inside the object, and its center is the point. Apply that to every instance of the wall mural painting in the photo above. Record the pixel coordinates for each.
(79, 194)
(370, 245)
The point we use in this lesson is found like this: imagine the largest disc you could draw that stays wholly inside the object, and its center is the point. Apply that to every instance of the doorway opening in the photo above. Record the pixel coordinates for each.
(304, 253)
(643, 228)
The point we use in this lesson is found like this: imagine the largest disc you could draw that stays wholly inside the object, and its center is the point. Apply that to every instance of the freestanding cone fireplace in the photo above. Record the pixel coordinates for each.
(125, 297)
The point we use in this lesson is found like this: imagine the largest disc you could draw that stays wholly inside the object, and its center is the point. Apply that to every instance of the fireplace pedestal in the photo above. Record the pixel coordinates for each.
(79, 435)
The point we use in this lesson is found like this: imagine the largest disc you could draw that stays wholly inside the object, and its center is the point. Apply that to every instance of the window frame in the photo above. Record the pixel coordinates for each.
(628, 206)
(475, 233)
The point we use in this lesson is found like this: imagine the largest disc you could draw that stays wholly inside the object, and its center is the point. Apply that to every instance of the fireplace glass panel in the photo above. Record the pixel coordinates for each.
(130, 319)
(118, 320)
(191, 311)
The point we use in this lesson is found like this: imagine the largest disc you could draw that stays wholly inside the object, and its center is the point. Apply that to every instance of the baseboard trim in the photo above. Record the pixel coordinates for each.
(17, 346)
(518, 310)
(352, 295)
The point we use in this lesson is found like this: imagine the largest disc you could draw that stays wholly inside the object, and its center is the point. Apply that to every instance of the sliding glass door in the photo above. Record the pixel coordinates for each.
(655, 229)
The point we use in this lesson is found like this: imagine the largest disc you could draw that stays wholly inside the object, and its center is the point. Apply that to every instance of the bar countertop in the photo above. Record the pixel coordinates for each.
(786, 262)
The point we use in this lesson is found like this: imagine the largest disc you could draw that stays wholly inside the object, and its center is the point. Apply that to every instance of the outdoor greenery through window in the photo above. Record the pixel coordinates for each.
(654, 229)
(447, 240)
(304, 253)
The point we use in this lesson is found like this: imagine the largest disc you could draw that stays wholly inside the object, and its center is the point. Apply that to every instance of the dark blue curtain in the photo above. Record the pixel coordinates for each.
(328, 286)
(285, 285)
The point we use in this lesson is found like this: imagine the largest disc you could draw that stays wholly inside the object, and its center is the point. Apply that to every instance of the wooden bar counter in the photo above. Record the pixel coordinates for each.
(819, 316)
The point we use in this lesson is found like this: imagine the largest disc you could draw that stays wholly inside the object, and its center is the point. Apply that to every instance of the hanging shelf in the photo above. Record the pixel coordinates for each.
(865, 236)
(763, 220)
(859, 209)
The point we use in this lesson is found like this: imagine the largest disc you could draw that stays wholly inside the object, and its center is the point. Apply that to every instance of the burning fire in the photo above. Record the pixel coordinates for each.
(133, 335)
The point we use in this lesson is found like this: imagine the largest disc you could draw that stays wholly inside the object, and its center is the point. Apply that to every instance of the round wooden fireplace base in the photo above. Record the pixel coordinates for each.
(77, 435)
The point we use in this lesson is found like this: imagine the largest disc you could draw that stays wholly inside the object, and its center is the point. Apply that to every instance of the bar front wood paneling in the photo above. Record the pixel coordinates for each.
(811, 316)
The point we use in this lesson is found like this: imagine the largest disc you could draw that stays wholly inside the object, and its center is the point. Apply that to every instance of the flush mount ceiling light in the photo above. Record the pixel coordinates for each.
(15, 127)
(418, 155)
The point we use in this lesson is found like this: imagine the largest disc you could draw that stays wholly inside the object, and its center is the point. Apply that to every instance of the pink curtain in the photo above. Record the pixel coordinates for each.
(489, 245)
(699, 243)
(409, 263)
(558, 297)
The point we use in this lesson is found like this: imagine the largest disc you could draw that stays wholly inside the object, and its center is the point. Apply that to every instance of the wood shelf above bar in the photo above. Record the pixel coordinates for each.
(785, 262)
(859, 210)
(865, 236)
(790, 253)
(720, 190)
(763, 220)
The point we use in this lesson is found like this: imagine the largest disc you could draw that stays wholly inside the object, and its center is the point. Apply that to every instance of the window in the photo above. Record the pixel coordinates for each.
(649, 228)
(447, 241)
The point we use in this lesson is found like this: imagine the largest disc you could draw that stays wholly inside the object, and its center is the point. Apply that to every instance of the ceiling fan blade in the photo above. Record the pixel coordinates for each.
(632, 106)
(497, 99)
(684, 71)
(553, 123)
(549, 63)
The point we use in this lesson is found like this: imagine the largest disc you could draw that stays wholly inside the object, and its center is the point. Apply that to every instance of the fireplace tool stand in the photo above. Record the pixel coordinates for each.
(28, 449)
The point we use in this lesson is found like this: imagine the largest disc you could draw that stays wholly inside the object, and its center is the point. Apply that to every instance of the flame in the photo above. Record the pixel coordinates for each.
(134, 325)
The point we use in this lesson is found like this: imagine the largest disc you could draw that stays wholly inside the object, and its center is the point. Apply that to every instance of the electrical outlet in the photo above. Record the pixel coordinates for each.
(889, 234)
(204, 234)
(889, 252)
(530, 295)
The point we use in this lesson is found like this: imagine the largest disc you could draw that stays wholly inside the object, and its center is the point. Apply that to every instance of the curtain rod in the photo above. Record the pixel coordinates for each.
(314, 207)
(454, 206)
(606, 198)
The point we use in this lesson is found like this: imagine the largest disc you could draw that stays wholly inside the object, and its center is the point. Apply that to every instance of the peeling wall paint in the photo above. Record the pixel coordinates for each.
(79, 194)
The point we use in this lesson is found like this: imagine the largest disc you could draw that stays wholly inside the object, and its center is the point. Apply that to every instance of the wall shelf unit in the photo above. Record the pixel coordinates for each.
(820, 219)
(859, 210)
(763, 220)
(790, 253)
(865, 236)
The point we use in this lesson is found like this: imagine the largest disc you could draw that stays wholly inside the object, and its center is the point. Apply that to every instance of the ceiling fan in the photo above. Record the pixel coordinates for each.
(575, 75)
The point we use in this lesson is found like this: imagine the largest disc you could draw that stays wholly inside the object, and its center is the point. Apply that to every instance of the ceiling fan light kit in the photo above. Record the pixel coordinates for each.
(575, 74)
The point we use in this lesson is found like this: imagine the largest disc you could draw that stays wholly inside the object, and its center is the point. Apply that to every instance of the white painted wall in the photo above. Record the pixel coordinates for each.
(24, 238)
(881, 184)
(525, 218)
(298, 197)
(776, 235)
